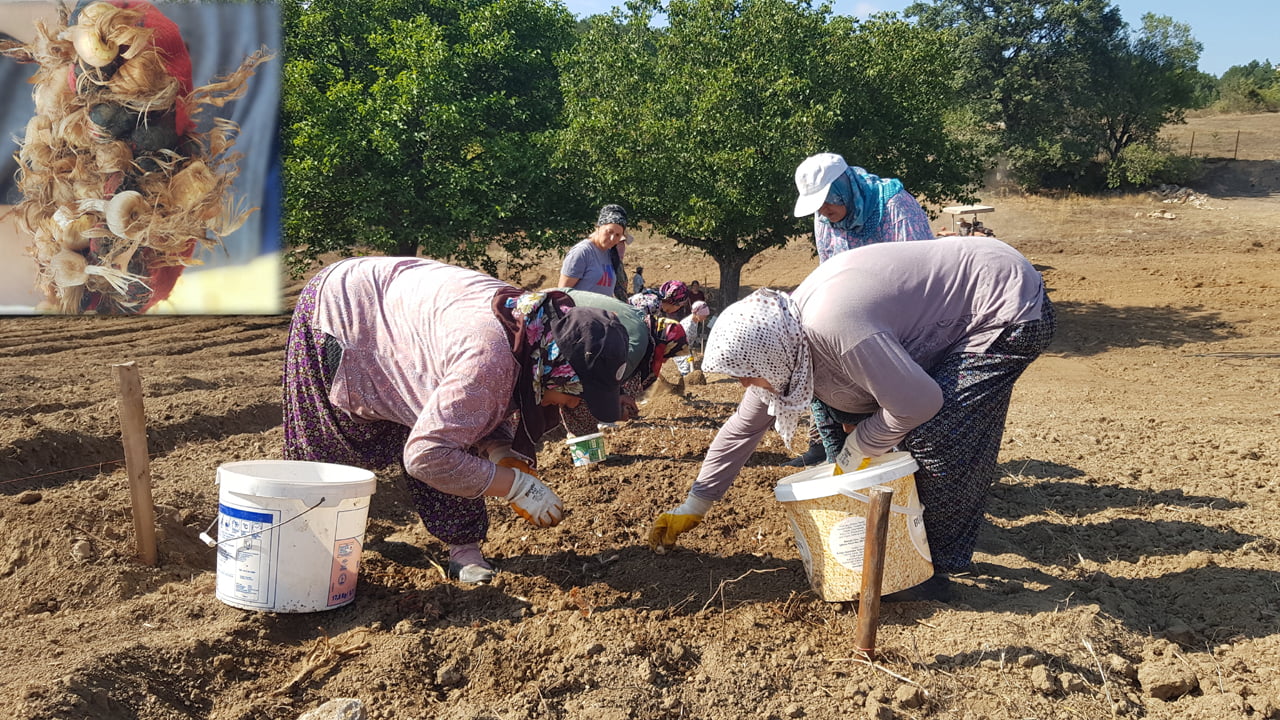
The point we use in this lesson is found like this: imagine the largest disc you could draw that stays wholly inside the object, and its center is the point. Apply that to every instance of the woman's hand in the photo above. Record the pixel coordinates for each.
(852, 457)
(671, 525)
(533, 501)
(629, 407)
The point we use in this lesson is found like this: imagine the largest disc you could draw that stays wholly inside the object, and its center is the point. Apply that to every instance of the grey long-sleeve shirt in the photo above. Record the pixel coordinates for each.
(877, 319)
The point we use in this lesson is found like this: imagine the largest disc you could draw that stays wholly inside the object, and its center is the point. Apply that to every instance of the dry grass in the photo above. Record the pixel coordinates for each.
(1238, 137)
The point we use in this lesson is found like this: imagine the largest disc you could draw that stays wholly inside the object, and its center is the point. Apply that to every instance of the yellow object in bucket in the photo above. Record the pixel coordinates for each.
(827, 513)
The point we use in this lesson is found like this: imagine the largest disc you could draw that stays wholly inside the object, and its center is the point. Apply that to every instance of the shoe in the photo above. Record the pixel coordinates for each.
(815, 455)
(470, 574)
(467, 564)
(935, 589)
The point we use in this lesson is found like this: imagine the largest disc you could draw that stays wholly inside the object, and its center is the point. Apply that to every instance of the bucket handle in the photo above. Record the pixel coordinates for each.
(909, 512)
(208, 540)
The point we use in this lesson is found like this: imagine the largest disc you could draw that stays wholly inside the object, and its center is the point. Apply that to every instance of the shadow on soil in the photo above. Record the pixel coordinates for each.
(1240, 178)
(1169, 585)
(1014, 498)
(1184, 605)
(1093, 328)
(52, 457)
(690, 580)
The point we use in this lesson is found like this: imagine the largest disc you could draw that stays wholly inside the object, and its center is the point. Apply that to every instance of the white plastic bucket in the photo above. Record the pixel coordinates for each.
(587, 449)
(828, 514)
(290, 533)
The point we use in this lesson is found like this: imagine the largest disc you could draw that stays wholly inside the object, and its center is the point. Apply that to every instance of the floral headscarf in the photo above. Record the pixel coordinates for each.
(525, 317)
(761, 336)
(551, 369)
(647, 300)
(674, 291)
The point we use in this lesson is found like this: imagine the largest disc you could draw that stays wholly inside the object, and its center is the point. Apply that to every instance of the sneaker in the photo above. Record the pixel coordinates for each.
(467, 564)
(815, 455)
(470, 574)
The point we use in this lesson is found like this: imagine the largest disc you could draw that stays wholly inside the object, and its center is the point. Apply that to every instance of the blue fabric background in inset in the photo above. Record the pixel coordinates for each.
(219, 37)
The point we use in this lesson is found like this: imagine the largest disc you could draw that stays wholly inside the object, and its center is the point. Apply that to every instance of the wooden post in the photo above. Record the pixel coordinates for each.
(133, 433)
(1192, 150)
(1235, 154)
(873, 569)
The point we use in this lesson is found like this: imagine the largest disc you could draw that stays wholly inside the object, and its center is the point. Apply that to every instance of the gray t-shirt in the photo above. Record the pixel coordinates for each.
(877, 319)
(592, 266)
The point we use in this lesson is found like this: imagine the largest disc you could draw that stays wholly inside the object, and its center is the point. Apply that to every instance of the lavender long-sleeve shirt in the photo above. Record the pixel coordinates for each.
(422, 348)
(902, 219)
(877, 318)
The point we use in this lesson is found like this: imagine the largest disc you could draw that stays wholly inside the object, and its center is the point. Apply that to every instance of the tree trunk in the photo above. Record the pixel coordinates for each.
(406, 247)
(730, 280)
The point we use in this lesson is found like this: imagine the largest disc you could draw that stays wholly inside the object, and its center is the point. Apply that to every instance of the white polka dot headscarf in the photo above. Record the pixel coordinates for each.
(761, 336)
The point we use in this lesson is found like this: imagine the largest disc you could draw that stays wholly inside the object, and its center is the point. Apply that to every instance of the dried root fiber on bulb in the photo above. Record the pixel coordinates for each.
(119, 188)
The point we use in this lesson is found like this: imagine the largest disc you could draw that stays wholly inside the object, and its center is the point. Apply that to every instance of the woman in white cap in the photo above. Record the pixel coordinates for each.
(422, 364)
(913, 345)
(850, 208)
(595, 263)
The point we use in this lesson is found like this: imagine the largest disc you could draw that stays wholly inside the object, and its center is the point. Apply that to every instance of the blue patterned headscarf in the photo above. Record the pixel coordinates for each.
(864, 196)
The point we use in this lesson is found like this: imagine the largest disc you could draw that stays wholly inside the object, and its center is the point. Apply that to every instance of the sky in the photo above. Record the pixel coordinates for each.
(1233, 32)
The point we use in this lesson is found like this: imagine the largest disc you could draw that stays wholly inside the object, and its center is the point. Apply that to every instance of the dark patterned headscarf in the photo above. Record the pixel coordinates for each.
(525, 317)
(612, 214)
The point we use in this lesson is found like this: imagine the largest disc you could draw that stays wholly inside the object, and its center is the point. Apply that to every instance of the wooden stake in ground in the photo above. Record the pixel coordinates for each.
(133, 433)
(881, 498)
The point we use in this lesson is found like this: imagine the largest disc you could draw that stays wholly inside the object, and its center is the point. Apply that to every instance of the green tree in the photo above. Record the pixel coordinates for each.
(702, 132)
(423, 126)
(1252, 87)
(1029, 74)
(1149, 83)
(1063, 83)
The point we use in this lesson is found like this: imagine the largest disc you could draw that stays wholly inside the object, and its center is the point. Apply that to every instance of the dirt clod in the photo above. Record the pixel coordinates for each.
(1166, 680)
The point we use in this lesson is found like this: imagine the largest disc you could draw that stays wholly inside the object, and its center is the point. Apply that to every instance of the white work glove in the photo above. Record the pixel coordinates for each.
(851, 457)
(533, 501)
(670, 525)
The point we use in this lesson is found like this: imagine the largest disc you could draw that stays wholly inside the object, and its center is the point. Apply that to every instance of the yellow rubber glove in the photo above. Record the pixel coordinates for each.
(851, 457)
(670, 525)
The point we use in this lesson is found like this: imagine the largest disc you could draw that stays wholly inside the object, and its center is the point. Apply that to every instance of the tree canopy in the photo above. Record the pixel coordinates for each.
(702, 131)
(1062, 83)
(423, 126)
(1252, 87)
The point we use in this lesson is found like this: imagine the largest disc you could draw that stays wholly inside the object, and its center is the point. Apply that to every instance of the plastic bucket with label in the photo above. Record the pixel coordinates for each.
(587, 449)
(290, 534)
(828, 512)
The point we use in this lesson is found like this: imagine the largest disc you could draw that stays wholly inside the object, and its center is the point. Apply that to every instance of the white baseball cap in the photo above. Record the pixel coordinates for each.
(813, 180)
